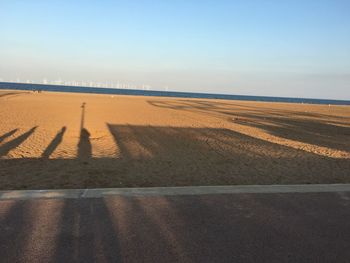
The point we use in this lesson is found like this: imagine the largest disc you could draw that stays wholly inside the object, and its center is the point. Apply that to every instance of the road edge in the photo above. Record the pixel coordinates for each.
(166, 191)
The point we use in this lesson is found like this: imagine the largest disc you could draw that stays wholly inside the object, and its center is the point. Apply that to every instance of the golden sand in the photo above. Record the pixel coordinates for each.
(66, 140)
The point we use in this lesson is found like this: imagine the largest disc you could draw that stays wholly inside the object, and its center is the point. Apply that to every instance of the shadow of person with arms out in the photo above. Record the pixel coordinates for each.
(54, 143)
(84, 145)
(7, 147)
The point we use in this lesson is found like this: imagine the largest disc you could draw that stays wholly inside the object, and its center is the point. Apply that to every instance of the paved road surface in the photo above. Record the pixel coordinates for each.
(289, 227)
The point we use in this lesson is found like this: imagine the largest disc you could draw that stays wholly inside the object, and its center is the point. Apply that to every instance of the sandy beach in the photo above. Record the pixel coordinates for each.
(66, 140)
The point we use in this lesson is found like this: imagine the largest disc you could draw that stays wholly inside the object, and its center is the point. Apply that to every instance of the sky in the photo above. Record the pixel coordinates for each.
(291, 48)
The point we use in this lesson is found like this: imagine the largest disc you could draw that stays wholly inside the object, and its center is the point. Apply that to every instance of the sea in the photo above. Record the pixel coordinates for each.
(135, 92)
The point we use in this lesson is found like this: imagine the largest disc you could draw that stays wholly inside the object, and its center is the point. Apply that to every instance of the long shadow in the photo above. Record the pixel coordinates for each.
(119, 138)
(312, 128)
(222, 228)
(87, 233)
(54, 143)
(213, 155)
(173, 156)
(7, 147)
(274, 226)
(15, 231)
(160, 142)
(82, 119)
(304, 130)
(84, 145)
(8, 134)
(225, 107)
(193, 228)
(140, 228)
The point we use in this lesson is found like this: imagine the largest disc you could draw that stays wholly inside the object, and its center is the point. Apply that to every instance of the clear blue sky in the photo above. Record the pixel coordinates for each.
(297, 48)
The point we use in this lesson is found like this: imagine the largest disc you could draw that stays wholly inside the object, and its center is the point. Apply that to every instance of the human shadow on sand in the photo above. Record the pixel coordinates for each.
(54, 143)
(8, 146)
(84, 145)
(8, 134)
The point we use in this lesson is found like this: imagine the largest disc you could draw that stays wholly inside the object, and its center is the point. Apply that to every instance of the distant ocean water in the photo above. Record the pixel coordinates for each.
(77, 89)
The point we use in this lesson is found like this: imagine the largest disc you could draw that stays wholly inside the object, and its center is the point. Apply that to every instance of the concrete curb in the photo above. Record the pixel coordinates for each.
(164, 191)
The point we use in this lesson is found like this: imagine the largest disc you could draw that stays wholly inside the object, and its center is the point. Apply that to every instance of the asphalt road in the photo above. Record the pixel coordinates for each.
(292, 227)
